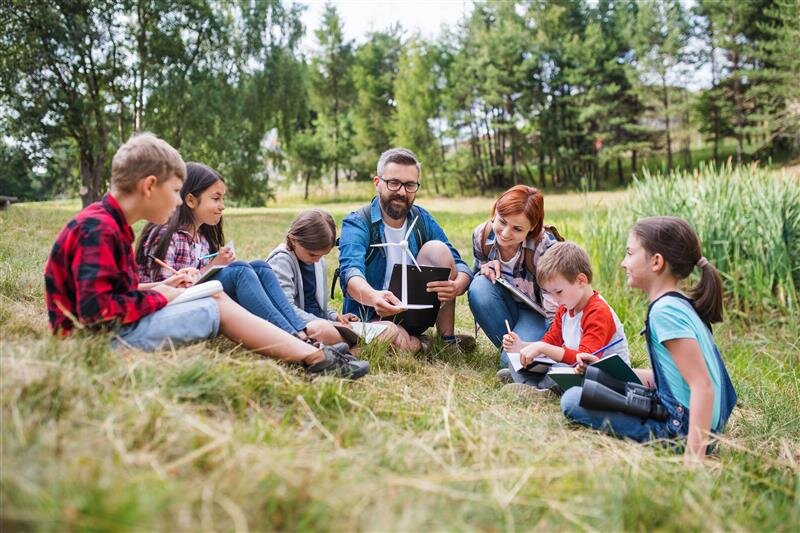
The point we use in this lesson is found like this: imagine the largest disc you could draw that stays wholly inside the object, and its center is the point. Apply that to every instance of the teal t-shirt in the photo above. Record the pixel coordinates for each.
(671, 318)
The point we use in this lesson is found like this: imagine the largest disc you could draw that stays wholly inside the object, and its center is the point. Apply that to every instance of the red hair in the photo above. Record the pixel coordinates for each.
(519, 199)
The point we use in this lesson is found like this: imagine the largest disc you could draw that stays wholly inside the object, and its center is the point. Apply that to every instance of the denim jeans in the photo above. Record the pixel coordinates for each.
(613, 422)
(492, 305)
(255, 287)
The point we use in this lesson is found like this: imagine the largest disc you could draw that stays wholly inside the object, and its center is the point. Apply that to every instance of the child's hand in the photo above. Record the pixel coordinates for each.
(192, 272)
(511, 342)
(169, 292)
(181, 279)
(528, 353)
(583, 359)
(346, 318)
(224, 257)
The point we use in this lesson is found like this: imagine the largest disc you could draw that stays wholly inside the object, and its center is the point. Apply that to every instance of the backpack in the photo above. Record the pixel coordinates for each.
(374, 238)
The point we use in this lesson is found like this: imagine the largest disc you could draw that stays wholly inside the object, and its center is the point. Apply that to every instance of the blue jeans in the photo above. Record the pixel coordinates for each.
(616, 423)
(255, 287)
(492, 305)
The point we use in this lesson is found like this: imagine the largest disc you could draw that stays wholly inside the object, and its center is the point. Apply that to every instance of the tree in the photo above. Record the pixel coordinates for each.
(660, 38)
(414, 94)
(374, 113)
(60, 64)
(332, 86)
(780, 75)
(306, 158)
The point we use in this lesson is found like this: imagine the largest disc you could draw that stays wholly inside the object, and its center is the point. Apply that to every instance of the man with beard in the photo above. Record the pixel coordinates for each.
(365, 272)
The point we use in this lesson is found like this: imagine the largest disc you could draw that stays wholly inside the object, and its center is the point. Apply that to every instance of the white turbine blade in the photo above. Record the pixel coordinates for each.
(415, 261)
(382, 245)
(410, 228)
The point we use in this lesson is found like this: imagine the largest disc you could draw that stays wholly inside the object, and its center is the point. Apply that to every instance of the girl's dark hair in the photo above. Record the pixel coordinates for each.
(678, 244)
(199, 177)
(313, 229)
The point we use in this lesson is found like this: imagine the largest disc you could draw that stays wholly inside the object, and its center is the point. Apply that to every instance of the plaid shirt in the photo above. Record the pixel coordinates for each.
(183, 252)
(519, 277)
(90, 274)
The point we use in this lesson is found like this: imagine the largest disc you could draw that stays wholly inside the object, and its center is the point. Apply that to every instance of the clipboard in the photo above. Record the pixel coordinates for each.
(418, 294)
(521, 296)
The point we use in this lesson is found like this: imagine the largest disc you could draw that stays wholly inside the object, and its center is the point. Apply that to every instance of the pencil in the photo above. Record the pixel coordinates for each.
(161, 263)
(508, 327)
(209, 256)
(607, 346)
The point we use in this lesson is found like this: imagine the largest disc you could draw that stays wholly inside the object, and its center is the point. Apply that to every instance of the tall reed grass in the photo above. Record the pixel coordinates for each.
(748, 219)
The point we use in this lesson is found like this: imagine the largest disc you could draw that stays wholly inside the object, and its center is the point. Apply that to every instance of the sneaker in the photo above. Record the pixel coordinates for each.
(504, 375)
(339, 365)
(527, 392)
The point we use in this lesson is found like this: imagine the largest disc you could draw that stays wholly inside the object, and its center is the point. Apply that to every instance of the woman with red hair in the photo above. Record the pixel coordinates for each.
(508, 245)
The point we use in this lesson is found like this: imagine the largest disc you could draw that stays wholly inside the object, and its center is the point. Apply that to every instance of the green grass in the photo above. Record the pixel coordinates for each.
(211, 437)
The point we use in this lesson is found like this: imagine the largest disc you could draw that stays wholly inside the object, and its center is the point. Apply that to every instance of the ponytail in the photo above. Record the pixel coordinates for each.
(707, 294)
(675, 240)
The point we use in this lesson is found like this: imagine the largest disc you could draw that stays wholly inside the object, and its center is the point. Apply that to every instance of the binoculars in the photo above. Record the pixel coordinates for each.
(606, 393)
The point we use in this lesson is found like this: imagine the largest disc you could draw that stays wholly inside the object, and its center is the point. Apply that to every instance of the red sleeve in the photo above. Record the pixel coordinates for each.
(103, 291)
(597, 329)
(554, 335)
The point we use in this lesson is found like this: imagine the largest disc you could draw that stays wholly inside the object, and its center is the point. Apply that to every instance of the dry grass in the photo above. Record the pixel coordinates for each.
(209, 437)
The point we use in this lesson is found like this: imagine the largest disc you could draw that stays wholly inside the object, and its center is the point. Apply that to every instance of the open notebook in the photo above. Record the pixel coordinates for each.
(196, 292)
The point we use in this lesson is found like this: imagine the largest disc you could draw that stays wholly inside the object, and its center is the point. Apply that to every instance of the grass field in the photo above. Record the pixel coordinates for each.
(211, 437)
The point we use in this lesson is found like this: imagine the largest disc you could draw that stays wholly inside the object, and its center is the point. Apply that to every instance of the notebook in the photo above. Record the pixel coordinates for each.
(359, 330)
(195, 292)
(613, 365)
(521, 296)
(208, 274)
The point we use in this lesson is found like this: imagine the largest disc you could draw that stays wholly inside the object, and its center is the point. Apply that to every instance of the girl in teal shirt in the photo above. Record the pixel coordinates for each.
(688, 374)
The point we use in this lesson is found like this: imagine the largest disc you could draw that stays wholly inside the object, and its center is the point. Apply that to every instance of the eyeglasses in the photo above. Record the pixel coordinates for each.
(394, 185)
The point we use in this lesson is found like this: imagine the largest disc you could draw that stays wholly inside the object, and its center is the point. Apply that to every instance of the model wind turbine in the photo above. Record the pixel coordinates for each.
(406, 253)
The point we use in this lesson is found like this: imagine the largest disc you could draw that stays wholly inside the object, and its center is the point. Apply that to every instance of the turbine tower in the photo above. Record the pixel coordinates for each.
(406, 253)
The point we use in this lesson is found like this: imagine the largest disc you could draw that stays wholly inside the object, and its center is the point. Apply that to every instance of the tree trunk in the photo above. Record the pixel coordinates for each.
(620, 175)
(91, 170)
(542, 177)
(665, 103)
(308, 179)
(633, 163)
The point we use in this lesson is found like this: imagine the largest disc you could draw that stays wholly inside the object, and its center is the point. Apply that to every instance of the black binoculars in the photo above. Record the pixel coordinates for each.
(606, 393)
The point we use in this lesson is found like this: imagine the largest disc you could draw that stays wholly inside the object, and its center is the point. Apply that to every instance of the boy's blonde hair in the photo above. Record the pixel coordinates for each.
(565, 259)
(145, 155)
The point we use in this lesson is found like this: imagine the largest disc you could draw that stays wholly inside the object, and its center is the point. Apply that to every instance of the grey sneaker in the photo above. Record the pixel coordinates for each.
(527, 392)
(339, 365)
(504, 375)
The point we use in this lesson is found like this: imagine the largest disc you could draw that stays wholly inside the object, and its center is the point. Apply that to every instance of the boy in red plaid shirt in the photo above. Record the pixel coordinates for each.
(91, 280)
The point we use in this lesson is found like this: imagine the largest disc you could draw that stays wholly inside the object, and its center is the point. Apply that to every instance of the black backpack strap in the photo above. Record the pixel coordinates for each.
(374, 237)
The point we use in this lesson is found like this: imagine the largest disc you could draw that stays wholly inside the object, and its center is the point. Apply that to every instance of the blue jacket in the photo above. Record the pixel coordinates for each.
(354, 249)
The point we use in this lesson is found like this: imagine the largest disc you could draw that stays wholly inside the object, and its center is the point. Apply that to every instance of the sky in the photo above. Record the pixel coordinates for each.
(363, 16)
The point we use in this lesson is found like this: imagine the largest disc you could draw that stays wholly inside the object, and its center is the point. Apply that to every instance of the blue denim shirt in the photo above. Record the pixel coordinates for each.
(354, 246)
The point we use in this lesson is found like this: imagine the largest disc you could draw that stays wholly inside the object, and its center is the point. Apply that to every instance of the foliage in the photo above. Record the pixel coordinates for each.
(748, 220)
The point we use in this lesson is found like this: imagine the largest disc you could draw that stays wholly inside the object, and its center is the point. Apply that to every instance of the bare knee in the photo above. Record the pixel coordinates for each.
(323, 331)
(436, 253)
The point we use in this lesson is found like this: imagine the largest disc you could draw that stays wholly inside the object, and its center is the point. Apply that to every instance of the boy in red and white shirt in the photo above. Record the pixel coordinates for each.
(584, 321)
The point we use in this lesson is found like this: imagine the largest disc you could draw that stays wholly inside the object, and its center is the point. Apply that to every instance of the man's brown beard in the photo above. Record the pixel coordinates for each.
(390, 210)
